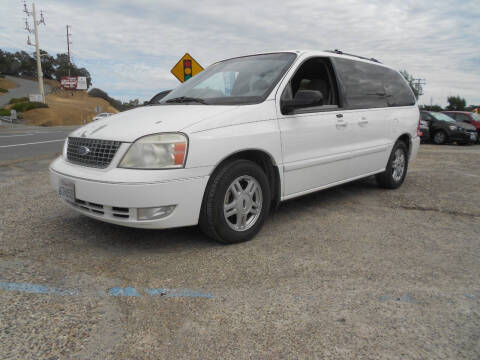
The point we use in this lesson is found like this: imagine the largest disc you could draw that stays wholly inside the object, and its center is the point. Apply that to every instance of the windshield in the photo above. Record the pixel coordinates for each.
(442, 117)
(245, 80)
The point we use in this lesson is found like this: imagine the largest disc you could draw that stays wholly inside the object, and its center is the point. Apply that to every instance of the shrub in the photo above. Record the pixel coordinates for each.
(25, 106)
(18, 100)
(4, 112)
(2, 90)
(102, 94)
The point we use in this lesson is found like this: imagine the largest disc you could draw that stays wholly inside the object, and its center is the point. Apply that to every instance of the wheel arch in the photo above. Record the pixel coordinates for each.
(266, 162)
(407, 139)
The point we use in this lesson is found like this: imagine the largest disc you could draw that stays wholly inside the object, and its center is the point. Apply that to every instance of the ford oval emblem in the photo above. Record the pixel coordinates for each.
(83, 150)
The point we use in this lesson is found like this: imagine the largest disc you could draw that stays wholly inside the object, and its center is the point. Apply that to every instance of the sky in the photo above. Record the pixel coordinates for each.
(130, 46)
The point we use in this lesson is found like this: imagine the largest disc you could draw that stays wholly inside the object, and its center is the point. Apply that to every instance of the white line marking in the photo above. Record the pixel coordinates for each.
(6, 136)
(34, 143)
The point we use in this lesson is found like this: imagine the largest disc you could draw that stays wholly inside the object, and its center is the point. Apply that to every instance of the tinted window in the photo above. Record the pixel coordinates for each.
(461, 117)
(397, 90)
(424, 116)
(369, 85)
(362, 84)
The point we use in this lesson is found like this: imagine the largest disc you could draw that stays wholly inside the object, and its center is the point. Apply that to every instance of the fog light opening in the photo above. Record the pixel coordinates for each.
(155, 213)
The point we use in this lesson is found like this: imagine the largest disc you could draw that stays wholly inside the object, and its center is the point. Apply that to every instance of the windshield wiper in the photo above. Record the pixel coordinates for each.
(185, 99)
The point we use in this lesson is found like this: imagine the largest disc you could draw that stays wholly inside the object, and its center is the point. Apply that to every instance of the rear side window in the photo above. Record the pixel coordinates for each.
(362, 84)
(368, 85)
(396, 88)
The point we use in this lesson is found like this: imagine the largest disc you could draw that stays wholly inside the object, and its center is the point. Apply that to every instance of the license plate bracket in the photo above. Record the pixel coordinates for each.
(66, 190)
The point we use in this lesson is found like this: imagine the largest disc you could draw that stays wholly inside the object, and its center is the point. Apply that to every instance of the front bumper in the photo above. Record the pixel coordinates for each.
(115, 195)
(464, 136)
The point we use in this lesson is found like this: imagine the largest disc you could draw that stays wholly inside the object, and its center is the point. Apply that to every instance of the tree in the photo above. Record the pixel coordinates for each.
(416, 88)
(456, 103)
(436, 108)
(48, 64)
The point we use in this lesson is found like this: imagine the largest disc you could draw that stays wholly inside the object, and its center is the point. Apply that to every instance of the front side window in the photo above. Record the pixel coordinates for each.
(475, 116)
(245, 80)
(314, 74)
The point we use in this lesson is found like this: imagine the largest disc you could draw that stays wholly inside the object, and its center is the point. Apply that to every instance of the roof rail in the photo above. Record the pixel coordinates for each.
(339, 52)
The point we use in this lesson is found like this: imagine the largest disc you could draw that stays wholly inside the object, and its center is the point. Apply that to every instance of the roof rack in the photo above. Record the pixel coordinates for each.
(336, 51)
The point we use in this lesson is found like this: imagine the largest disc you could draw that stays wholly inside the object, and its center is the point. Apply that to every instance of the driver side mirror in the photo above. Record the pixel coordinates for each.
(302, 99)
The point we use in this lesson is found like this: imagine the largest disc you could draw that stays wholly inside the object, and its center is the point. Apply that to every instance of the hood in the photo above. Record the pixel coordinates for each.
(464, 125)
(133, 124)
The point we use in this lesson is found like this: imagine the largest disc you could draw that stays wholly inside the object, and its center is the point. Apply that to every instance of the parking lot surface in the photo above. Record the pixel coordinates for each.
(353, 272)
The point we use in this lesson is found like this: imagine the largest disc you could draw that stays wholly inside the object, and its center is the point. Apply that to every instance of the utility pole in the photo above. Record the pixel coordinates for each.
(419, 84)
(68, 48)
(37, 46)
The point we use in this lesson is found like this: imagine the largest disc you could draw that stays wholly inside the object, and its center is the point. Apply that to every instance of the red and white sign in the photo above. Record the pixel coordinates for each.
(74, 82)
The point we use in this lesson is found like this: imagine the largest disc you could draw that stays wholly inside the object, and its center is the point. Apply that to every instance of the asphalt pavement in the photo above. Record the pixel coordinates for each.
(25, 87)
(352, 272)
(19, 142)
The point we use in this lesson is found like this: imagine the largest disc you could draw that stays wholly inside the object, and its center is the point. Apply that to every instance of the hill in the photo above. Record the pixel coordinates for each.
(67, 109)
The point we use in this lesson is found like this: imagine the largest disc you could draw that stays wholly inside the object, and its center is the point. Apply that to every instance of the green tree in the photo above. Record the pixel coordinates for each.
(48, 64)
(456, 103)
(416, 88)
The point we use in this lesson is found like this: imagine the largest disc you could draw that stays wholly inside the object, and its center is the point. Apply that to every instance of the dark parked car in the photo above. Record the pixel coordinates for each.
(466, 117)
(425, 131)
(444, 129)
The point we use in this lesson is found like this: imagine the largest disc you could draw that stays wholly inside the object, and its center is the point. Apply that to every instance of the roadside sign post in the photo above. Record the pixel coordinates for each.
(98, 109)
(186, 68)
(13, 115)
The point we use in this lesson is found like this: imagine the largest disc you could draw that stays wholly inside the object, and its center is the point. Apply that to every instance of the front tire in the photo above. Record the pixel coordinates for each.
(439, 137)
(236, 202)
(396, 169)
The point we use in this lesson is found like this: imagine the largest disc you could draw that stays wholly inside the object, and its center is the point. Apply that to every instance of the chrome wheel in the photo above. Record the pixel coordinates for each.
(398, 165)
(243, 203)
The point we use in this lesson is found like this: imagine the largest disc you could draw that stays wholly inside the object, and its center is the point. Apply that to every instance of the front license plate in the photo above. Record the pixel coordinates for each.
(66, 190)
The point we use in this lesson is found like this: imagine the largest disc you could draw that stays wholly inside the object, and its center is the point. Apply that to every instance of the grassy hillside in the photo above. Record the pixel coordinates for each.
(65, 109)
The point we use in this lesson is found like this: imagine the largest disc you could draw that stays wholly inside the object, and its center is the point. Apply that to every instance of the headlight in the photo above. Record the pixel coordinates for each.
(159, 151)
(453, 127)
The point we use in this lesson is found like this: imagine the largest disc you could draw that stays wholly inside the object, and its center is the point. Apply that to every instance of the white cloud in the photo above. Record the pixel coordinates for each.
(129, 47)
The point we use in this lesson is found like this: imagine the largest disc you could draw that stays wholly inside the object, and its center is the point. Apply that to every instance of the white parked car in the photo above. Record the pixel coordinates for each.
(227, 146)
(101, 116)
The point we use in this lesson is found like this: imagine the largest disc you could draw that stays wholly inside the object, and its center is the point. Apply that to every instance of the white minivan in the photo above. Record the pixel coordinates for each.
(226, 147)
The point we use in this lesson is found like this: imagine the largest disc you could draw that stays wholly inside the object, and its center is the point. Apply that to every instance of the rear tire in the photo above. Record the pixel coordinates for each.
(396, 169)
(236, 202)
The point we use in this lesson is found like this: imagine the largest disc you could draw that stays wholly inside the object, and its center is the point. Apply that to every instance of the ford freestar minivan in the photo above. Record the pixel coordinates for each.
(231, 143)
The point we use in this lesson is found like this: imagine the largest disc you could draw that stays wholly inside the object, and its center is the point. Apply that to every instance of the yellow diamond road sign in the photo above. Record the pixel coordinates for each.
(186, 68)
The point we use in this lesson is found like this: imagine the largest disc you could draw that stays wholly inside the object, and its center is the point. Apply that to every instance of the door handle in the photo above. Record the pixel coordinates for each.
(363, 123)
(339, 116)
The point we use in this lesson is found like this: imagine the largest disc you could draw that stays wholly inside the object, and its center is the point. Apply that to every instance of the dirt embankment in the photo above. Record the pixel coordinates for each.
(6, 84)
(67, 108)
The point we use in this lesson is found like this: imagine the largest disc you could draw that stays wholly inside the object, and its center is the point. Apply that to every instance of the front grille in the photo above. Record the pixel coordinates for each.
(99, 153)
